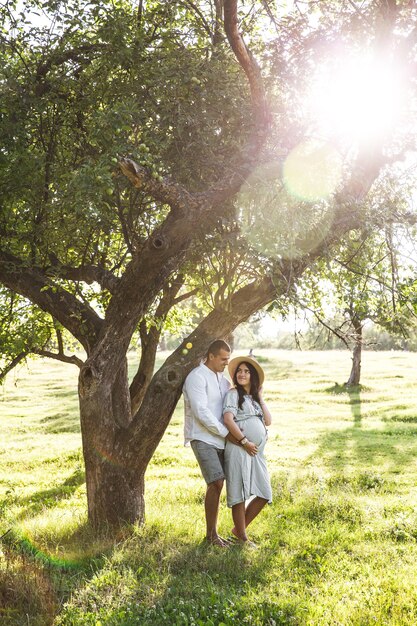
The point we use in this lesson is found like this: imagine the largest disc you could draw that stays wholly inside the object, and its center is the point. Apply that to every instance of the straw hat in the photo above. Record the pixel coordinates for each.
(234, 364)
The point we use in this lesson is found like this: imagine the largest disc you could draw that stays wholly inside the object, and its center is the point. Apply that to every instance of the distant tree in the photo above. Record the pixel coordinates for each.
(360, 284)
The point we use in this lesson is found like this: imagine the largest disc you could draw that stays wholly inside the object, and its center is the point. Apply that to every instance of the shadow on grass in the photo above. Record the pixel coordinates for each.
(160, 578)
(276, 370)
(49, 498)
(354, 393)
(36, 583)
(65, 422)
(405, 419)
(359, 448)
(211, 585)
(395, 443)
(154, 575)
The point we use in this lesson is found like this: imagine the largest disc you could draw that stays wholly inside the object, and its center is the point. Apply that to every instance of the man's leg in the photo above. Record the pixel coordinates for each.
(211, 461)
(211, 505)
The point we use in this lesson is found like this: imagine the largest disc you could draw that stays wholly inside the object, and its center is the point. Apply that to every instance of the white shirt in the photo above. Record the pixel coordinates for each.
(204, 391)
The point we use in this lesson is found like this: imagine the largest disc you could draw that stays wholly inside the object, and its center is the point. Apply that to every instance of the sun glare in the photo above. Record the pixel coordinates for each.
(356, 99)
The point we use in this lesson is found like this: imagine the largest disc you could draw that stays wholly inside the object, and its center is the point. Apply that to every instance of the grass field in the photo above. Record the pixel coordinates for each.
(338, 546)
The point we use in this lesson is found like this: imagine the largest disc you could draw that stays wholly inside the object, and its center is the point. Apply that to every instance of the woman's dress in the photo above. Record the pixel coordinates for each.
(246, 475)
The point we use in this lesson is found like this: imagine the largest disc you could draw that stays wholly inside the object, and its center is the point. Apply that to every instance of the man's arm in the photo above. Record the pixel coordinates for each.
(232, 439)
(195, 388)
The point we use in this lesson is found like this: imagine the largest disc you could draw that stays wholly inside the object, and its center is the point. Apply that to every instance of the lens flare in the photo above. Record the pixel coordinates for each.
(106, 455)
(28, 546)
(277, 223)
(312, 171)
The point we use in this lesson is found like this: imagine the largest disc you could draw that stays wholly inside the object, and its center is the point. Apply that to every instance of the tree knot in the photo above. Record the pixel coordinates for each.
(159, 242)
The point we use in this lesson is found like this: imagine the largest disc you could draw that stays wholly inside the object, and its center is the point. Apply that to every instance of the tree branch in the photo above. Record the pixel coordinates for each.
(74, 360)
(200, 14)
(150, 340)
(13, 363)
(357, 272)
(218, 21)
(185, 296)
(140, 13)
(59, 57)
(165, 191)
(335, 331)
(247, 62)
(84, 273)
(79, 318)
(58, 356)
(124, 224)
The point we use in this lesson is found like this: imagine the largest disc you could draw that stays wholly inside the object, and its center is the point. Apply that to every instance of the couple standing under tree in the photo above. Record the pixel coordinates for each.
(226, 428)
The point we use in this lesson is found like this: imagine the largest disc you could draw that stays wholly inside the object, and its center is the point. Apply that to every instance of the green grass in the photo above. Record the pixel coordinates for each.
(338, 546)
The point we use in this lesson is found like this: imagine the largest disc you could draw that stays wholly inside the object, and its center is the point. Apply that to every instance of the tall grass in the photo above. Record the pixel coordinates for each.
(337, 546)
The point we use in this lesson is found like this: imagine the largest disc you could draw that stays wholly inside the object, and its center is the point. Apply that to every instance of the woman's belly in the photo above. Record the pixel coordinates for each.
(253, 429)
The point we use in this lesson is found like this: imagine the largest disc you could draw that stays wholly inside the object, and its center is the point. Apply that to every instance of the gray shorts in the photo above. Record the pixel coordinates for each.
(210, 460)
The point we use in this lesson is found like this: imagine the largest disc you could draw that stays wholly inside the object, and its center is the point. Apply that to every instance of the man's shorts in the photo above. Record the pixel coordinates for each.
(210, 460)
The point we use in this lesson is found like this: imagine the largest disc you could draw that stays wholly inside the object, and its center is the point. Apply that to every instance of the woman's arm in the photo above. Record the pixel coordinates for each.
(235, 431)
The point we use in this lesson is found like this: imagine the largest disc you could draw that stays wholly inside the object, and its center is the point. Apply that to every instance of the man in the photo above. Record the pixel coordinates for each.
(204, 391)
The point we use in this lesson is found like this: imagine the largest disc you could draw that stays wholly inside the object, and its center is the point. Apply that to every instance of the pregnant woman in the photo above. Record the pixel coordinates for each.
(246, 417)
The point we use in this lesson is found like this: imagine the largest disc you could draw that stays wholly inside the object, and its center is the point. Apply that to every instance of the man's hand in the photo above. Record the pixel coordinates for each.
(232, 439)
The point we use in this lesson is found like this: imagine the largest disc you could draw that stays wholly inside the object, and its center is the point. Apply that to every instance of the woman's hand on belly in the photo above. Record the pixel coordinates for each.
(251, 448)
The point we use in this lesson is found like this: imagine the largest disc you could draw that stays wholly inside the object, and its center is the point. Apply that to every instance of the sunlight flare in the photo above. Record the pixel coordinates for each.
(312, 170)
(275, 219)
(356, 98)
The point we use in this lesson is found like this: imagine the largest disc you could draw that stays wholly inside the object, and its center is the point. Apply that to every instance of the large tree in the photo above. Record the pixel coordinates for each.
(129, 138)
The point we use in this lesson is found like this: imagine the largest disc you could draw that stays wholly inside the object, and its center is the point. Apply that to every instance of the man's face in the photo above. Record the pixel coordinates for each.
(218, 362)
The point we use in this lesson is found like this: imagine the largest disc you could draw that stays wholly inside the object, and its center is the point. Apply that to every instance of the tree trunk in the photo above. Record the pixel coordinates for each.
(115, 493)
(114, 476)
(355, 374)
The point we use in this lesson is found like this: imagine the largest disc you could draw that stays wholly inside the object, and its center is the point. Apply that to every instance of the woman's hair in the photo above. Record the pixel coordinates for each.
(254, 384)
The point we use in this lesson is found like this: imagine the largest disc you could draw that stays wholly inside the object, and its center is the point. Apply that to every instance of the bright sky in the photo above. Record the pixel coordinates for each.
(357, 97)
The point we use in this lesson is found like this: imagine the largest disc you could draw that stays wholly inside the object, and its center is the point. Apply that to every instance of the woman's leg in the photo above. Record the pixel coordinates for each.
(238, 514)
(242, 518)
(253, 509)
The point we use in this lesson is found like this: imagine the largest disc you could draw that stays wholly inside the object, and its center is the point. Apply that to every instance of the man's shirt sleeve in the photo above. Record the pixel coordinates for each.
(197, 396)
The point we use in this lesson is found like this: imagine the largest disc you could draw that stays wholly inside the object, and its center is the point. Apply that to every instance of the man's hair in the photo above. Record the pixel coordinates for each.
(215, 347)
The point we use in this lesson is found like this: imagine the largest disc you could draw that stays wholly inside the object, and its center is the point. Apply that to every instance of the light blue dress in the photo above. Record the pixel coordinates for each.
(246, 475)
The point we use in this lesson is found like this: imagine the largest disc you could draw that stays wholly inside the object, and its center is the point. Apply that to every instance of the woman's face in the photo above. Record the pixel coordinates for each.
(243, 375)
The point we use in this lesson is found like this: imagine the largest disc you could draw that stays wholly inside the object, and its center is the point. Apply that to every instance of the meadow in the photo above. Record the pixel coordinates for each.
(338, 546)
